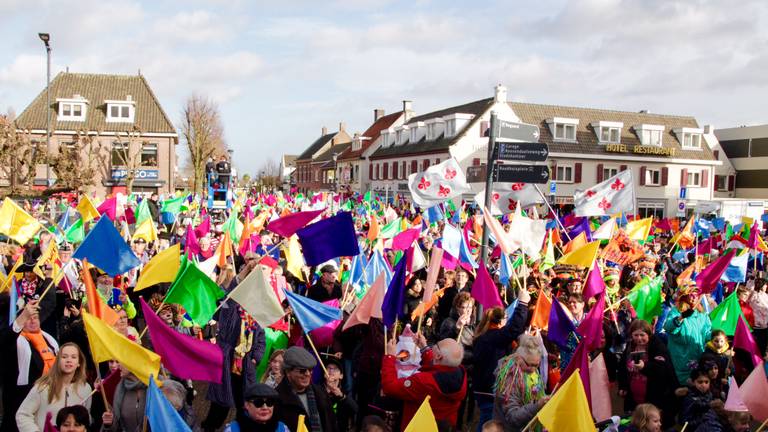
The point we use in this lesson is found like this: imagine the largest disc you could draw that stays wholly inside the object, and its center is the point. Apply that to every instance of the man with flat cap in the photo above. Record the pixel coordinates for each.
(328, 287)
(298, 396)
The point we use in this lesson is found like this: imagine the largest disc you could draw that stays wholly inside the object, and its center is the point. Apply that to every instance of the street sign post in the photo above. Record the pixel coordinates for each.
(521, 173)
(514, 151)
(517, 131)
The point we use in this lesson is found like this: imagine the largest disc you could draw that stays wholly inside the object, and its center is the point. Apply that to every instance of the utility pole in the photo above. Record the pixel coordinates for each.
(46, 38)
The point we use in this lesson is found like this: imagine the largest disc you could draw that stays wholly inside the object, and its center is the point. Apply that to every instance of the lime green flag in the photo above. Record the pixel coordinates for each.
(76, 232)
(142, 213)
(549, 255)
(391, 229)
(726, 315)
(194, 290)
(645, 298)
(173, 205)
(234, 227)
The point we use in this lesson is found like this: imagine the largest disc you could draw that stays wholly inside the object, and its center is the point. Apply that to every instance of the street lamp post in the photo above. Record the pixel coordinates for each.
(335, 177)
(46, 38)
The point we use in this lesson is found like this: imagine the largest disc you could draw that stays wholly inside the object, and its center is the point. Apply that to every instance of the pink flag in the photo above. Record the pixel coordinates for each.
(109, 206)
(184, 356)
(435, 263)
(753, 392)
(190, 242)
(286, 226)
(600, 389)
(129, 216)
(484, 290)
(595, 284)
(709, 277)
(580, 361)
(705, 247)
(369, 306)
(591, 329)
(752, 243)
(663, 225)
(323, 336)
(734, 401)
(49, 427)
(204, 227)
(743, 339)
(449, 261)
(498, 232)
(405, 239)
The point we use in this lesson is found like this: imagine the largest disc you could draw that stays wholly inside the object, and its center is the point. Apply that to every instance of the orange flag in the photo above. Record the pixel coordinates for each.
(540, 317)
(224, 250)
(556, 236)
(575, 243)
(425, 306)
(686, 239)
(96, 305)
(373, 229)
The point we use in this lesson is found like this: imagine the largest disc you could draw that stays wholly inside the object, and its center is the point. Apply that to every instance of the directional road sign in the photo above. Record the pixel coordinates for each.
(520, 151)
(521, 173)
(517, 131)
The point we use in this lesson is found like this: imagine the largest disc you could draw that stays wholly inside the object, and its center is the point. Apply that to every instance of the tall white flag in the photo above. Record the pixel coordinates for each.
(615, 195)
(438, 184)
(506, 195)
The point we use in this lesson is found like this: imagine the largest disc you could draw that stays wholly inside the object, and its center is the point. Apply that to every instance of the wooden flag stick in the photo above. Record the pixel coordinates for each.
(421, 318)
(312, 344)
(762, 425)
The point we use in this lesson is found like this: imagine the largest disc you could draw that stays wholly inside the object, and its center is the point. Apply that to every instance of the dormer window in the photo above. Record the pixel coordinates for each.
(649, 134)
(608, 132)
(72, 109)
(563, 129)
(417, 131)
(690, 138)
(402, 134)
(120, 111)
(434, 128)
(454, 123)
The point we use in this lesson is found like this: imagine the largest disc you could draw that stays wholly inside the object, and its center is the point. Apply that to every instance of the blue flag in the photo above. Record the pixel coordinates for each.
(394, 299)
(64, 220)
(329, 238)
(505, 270)
(737, 269)
(14, 299)
(434, 214)
(376, 265)
(160, 413)
(311, 314)
(465, 256)
(106, 249)
(357, 272)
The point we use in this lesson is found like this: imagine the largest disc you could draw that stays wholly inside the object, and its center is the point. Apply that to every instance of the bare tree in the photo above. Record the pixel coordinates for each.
(204, 134)
(269, 174)
(76, 164)
(19, 155)
(126, 154)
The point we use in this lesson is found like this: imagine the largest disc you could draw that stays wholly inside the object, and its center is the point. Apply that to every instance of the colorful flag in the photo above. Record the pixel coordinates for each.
(142, 212)
(505, 196)
(373, 228)
(423, 420)
(293, 257)
(605, 231)
(184, 356)
(194, 290)
(579, 364)
(638, 230)
(369, 306)
(432, 272)
(161, 415)
(753, 391)
(108, 207)
(541, 312)
(737, 268)
(560, 326)
(615, 195)
(107, 344)
(726, 315)
(568, 409)
(645, 298)
(86, 209)
(734, 401)
(394, 299)
(146, 230)
(591, 328)
(311, 314)
(575, 243)
(257, 297)
(173, 205)
(549, 256)
(16, 223)
(484, 289)
(106, 249)
(600, 389)
(96, 306)
(162, 268)
(75, 233)
(329, 238)
(286, 226)
(498, 232)
(405, 239)
(505, 270)
(438, 183)
(743, 339)
(595, 284)
(583, 256)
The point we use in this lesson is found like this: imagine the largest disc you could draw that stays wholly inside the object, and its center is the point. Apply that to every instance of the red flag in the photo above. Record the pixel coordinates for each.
(580, 361)
(484, 290)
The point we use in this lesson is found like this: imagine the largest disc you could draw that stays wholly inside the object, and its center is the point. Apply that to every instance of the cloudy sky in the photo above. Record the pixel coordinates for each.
(281, 72)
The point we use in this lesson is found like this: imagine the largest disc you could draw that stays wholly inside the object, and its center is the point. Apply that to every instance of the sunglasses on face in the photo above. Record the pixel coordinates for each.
(262, 402)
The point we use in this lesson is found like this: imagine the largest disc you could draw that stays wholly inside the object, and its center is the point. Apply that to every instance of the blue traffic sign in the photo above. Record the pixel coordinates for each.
(683, 192)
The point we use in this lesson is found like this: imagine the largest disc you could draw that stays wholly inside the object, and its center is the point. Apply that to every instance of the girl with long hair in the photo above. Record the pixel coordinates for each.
(62, 386)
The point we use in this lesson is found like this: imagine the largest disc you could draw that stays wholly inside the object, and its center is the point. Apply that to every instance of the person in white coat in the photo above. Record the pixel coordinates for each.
(64, 385)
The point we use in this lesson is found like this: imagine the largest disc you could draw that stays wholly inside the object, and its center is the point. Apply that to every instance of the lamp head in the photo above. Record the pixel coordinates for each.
(45, 37)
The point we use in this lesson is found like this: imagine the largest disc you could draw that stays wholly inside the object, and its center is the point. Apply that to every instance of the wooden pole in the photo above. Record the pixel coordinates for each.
(421, 318)
(762, 425)
(312, 344)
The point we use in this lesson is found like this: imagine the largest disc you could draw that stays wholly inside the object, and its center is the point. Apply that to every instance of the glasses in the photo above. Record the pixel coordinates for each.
(262, 402)
(302, 371)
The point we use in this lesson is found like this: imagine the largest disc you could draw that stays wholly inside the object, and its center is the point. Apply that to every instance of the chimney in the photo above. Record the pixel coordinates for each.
(709, 129)
(407, 110)
(377, 114)
(500, 94)
(341, 126)
(643, 111)
(324, 131)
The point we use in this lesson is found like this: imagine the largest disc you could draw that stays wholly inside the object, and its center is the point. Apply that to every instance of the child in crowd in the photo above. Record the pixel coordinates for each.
(697, 405)
(645, 418)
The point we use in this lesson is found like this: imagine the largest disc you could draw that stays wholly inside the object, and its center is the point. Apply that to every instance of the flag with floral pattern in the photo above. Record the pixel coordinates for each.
(615, 195)
(437, 184)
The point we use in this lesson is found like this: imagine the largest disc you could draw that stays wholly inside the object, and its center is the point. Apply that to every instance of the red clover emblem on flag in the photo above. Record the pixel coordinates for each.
(591, 193)
(518, 186)
(444, 191)
(617, 185)
(511, 204)
(450, 173)
(495, 196)
(424, 184)
(604, 204)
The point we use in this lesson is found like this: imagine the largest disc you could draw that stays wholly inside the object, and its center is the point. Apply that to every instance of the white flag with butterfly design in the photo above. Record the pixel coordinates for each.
(615, 195)
(505, 197)
(438, 184)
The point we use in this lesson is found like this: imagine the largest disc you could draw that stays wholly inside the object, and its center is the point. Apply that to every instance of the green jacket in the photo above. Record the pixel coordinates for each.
(686, 340)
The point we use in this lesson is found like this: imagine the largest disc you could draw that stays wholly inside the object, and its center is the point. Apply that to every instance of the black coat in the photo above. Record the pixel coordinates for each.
(494, 344)
(290, 407)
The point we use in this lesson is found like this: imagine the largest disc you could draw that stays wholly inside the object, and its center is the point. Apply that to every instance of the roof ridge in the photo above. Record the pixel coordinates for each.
(157, 102)
(600, 110)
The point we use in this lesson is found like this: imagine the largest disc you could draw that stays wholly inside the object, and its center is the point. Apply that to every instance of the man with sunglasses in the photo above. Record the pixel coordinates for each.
(259, 406)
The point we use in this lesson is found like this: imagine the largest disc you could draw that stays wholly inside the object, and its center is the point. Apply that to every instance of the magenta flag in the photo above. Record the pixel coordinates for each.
(580, 361)
(405, 239)
(709, 277)
(753, 234)
(190, 242)
(204, 227)
(109, 207)
(743, 339)
(484, 290)
(286, 226)
(323, 336)
(591, 329)
(595, 284)
(705, 247)
(184, 356)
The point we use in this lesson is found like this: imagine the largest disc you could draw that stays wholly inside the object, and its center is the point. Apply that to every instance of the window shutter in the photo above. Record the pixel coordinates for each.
(385, 171)
(424, 164)
(437, 161)
(731, 182)
(622, 168)
(553, 170)
(704, 178)
(577, 172)
(394, 171)
(642, 175)
(484, 128)
(664, 176)
(717, 154)
(475, 161)
(717, 180)
(684, 177)
(414, 166)
(370, 171)
(599, 173)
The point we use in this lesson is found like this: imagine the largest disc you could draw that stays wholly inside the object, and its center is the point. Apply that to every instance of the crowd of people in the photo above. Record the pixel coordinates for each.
(483, 368)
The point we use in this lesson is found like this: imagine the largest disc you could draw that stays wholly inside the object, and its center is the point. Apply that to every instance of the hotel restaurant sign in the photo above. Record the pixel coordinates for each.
(640, 149)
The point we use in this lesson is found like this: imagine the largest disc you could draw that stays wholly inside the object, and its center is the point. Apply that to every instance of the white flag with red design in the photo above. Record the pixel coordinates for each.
(437, 184)
(505, 197)
(615, 195)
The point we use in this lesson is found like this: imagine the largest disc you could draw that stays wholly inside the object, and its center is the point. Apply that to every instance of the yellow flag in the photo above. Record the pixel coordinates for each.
(423, 420)
(639, 229)
(747, 220)
(583, 256)
(86, 209)
(301, 427)
(16, 223)
(294, 257)
(7, 281)
(576, 243)
(50, 256)
(146, 230)
(568, 409)
(107, 344)
(161, 268)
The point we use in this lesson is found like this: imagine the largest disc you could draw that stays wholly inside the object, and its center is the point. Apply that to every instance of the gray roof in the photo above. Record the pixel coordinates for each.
(328, 154)
(316, 146)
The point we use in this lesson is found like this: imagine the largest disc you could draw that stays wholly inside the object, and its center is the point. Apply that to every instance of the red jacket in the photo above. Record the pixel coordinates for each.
(446, 385)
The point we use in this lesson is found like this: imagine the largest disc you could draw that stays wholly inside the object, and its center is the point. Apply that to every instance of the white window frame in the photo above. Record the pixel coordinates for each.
(724, 179)
(607, 170)
(649, 177)
(69, 105)
(568, 128)
(612, 128)
(121, 106)
(645, 134)
(564, 167)
(695, 175)
(434, 128)
(401, 135)
(693, 134)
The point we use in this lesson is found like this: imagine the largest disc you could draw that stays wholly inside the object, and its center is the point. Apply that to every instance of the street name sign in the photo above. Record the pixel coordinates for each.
(521, 173)
(517, 131)
(521, 151)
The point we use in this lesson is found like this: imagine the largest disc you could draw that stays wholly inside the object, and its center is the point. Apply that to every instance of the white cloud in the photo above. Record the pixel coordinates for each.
(196, 26)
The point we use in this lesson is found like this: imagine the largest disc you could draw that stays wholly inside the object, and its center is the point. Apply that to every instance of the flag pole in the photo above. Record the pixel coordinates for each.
(557, 219)
(312, 344)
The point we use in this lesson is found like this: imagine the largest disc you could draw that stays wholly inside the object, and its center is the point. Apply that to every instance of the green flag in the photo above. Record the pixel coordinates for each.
(194, 290)
(726, 315)
(549, 255)
(143, 213)
(517, 262)
(391, 229)
(645, 297)
(275, 340)
(367, 196)
(173, 205)
(728, 231)
(76, 232)
(234, 227)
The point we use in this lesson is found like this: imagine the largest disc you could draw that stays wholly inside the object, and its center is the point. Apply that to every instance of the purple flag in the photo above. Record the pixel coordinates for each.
(580, 361)
(394, 299)
(190, 242)
(329, 238)
(743, 339)
(709, 277)
(484, 290)
(752, 243)
(184, 356)
(405, 239)
(591, 329)
(286, 226)
(582, 227)
(595, 283)
(560, 325)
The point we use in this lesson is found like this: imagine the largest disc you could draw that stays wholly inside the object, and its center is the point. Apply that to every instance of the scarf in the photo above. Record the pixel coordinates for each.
(511, 379)
(117, 399)
(40, 344)
(24, 354)
(711, 346)
(315, 425)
